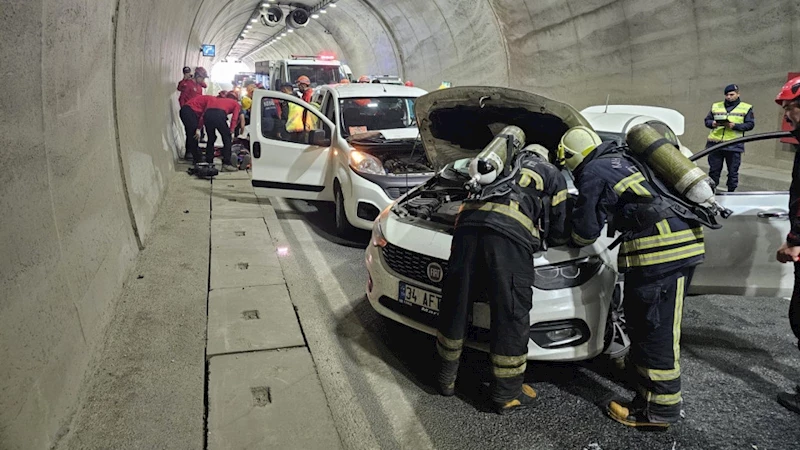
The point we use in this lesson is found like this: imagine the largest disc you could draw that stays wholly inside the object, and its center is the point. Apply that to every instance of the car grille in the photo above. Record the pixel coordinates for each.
(412, 265)
(395, 192)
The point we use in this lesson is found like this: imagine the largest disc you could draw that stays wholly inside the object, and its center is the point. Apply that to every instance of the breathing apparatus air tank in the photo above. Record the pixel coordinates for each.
(671, 166)
(490, 162)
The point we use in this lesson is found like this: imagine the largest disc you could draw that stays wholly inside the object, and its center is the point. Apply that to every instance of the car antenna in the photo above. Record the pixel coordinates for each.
(608, 97)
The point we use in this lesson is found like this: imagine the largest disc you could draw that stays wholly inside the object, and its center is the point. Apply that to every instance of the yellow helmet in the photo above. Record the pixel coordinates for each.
(539, 150)
(575, 145)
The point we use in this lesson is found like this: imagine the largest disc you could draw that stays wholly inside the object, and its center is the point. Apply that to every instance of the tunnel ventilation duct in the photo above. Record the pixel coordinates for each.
(298, 18)
(271, 16)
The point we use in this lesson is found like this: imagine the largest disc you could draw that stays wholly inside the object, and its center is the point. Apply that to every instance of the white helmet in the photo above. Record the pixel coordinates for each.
(539, 150)
(576, 144)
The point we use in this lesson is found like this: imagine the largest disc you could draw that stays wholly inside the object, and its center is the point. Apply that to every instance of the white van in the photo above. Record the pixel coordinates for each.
(363, 153)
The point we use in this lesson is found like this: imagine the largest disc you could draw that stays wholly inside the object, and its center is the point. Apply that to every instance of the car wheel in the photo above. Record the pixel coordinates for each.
(343, 227)
(616, 342)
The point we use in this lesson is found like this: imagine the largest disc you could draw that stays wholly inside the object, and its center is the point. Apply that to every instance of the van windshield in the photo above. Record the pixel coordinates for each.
(360, 115)
(319, 75)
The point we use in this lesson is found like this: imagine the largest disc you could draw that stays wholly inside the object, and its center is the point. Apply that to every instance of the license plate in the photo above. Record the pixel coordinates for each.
(412, 295)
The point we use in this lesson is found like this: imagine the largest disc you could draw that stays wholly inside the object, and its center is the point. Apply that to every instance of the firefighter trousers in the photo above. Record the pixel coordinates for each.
(486, 265)
(653, 306)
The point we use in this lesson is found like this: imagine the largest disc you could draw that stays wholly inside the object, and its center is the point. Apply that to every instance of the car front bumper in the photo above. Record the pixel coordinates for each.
(583, 308)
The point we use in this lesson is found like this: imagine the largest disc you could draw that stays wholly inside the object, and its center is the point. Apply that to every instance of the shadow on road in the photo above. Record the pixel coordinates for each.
(320, 218)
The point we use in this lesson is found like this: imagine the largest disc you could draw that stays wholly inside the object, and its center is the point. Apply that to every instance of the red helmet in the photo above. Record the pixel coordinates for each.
(409, 83)
(200, 72)
(790, 91)
(303, 80)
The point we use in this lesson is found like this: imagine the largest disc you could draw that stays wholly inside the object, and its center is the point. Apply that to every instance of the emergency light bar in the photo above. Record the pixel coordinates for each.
(321, 56)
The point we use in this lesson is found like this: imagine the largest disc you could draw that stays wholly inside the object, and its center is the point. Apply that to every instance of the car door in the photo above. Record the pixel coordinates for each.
(289, 165)
(740, 257)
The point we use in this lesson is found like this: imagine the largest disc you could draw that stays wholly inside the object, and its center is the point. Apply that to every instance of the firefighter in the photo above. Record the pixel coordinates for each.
(789, 99)
(658, 255)
(492, 256)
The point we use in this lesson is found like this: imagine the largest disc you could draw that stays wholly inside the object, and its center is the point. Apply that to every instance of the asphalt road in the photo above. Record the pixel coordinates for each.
(737, 353)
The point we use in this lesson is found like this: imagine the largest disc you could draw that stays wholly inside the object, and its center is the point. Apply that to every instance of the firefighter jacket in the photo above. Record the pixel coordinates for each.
(793, 238)
(527, 205)
(612, 189)
(739, 113)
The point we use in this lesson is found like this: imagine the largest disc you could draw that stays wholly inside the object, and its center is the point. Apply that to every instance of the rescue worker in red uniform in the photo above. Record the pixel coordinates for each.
(491, 257)
(304, 86)
(216, 119)
(658, 256)
(192, 87)
(789, 99)
(192, 117)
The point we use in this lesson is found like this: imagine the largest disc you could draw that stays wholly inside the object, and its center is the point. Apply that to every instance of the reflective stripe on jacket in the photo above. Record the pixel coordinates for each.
(614, 186)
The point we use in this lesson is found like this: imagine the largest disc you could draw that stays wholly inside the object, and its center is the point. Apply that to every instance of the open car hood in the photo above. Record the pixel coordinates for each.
(457, 123)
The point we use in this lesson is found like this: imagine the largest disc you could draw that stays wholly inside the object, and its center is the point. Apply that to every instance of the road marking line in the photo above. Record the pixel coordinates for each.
(400, 414)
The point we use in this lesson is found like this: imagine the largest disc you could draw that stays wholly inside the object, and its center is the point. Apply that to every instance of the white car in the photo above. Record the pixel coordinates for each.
(575, 312)
(363, 154)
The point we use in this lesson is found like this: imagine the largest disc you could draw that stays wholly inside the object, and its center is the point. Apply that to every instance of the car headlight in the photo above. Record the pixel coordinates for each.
(378, 240)
(567, 274)
(365, 163)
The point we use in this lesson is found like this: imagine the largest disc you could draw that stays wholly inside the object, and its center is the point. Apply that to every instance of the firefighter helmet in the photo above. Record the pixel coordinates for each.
(575, 145)
(539, 150)
(790, 91)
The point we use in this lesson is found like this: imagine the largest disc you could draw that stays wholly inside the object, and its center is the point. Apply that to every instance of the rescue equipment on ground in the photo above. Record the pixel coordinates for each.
(491, 161)
(203, 170)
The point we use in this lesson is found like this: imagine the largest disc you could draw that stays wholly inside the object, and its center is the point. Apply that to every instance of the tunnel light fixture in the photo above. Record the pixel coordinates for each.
(249, 27)
(290, 30)
(332, 5)
(315, 16)
(323, 11)
(283, 34)
(253, 20)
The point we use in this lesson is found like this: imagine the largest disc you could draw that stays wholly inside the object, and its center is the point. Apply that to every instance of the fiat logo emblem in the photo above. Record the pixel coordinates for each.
(435, 272)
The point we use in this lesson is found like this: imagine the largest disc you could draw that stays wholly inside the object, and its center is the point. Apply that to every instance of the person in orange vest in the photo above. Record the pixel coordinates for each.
(304, 85)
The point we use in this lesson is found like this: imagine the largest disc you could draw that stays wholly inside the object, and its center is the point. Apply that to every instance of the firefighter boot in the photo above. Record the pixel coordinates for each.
(523, 401)
(630, 415)
(446, 373)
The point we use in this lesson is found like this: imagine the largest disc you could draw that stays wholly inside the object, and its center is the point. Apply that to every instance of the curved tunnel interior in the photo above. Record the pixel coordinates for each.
(91, 131)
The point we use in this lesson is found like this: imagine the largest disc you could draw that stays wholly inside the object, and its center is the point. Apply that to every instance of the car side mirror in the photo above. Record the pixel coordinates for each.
(317, 137)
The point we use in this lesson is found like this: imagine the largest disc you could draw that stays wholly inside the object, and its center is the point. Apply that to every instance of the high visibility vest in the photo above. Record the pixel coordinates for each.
(297, 116)
(737, 115)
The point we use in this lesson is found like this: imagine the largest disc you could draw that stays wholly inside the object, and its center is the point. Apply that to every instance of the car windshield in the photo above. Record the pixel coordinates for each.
(360, 115)
(319, 75)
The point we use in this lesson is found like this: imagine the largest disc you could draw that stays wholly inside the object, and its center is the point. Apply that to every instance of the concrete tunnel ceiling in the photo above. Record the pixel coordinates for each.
(80, 200)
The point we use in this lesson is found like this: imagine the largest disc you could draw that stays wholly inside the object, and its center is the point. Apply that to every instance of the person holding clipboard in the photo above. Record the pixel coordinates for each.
(728, 120)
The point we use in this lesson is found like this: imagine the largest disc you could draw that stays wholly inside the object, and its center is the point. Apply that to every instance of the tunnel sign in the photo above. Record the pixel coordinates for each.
(208, 50)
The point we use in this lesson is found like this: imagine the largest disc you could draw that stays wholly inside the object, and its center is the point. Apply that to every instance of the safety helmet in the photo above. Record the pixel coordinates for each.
(200, 72)
(576, 144)
(409, 83)
(363, 79)
(790, 91)
(539, 150)
(303, 80)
